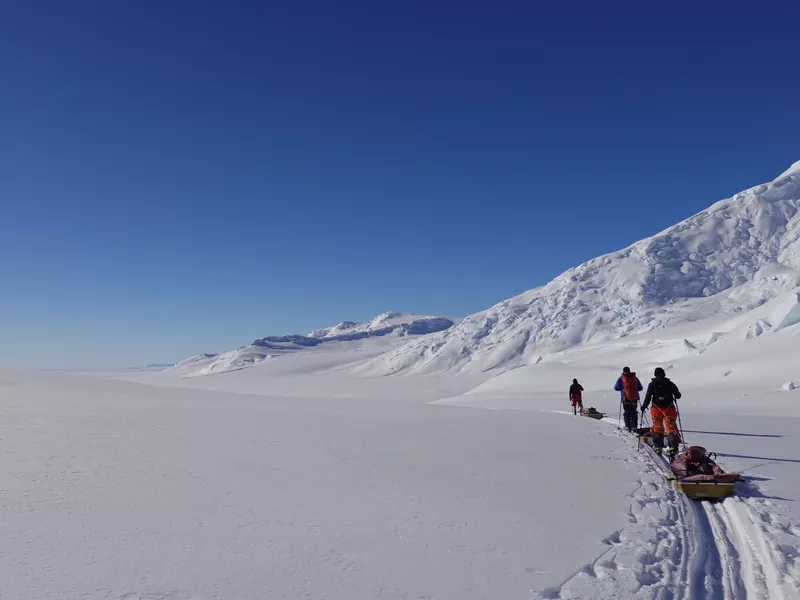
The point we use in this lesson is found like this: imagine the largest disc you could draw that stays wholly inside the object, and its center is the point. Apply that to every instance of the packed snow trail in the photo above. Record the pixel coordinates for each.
(675, 547)
(737, 545)
(753, 559)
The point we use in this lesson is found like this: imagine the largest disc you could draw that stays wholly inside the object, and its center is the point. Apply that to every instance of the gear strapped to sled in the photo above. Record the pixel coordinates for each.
(699, 477)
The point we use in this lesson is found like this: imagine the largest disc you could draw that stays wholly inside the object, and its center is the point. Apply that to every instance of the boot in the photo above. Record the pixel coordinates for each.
(673, 440)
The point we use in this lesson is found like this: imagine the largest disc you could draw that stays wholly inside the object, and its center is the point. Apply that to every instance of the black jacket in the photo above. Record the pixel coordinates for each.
(663, 392)
(575, 390)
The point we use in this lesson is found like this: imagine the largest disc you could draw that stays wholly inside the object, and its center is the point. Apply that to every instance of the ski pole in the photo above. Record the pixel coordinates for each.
(644, 421)
(680, 425)
(638, 423)
(619, 417)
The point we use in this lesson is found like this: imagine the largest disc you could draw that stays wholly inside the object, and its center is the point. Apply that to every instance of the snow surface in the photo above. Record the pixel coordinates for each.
(311, 482)
(114, 489)
(315, 476)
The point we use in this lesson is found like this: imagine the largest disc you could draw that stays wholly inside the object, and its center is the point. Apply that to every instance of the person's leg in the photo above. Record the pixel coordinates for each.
(658, 427)
(673, 437)
(631, 418)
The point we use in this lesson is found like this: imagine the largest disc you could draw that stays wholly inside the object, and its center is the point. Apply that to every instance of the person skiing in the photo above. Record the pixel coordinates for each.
(629, 386)
(663, 393)
(576, 396)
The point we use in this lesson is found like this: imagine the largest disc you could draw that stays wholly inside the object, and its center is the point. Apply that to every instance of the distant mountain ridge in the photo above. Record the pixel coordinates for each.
(391, 323)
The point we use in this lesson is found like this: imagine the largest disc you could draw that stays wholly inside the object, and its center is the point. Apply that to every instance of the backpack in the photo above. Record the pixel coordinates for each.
(661, 393)
(630, 387)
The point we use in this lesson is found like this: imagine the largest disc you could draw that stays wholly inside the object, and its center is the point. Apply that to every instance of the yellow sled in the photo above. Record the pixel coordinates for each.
(705, 490)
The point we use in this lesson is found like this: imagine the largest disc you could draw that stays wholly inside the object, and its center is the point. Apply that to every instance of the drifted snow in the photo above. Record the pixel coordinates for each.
(726, 260)
(393, 325)
(382, 321)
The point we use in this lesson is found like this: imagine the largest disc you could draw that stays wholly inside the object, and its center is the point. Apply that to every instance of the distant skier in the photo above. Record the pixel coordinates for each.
(629, 386)
(663, 392)
(576, 396)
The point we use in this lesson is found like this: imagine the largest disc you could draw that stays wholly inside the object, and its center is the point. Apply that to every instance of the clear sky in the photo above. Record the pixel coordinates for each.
(185, 176)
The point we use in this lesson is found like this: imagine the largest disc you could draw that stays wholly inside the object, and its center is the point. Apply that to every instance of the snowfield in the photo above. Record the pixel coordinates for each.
(397, 487)
(413, 458)
(114, 489)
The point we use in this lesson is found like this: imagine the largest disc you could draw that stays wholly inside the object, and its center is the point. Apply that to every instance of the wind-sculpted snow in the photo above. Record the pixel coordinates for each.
(387, 320)
(728, 259)
(415, 327)
(395, 324)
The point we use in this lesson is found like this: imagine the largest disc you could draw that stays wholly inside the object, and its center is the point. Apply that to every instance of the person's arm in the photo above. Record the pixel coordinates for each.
(580, 386)
(675, 391)
(618, 385)
(639, 384)
(647, 396)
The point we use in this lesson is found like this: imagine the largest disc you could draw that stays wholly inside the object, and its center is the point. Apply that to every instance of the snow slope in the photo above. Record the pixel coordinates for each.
(393, 325)
(383, 321)
(726, 260)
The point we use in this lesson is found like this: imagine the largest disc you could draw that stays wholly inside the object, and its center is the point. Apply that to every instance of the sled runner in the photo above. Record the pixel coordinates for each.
(705, 490)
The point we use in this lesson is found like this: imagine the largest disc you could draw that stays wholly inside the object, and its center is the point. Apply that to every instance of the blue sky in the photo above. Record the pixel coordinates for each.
(178, 177)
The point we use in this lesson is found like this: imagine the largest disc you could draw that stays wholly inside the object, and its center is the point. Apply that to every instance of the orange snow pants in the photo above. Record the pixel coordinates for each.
(664, 418)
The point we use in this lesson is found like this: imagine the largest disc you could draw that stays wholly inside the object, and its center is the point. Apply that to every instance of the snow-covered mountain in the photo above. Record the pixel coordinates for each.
(725, 261)
(395, 325)
(382, 321)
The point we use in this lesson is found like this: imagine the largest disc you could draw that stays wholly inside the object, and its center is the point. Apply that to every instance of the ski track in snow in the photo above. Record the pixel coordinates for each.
(675, 548)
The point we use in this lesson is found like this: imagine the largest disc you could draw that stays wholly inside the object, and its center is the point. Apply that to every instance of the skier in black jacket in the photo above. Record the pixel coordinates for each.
(576, 396)
(663, 393)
